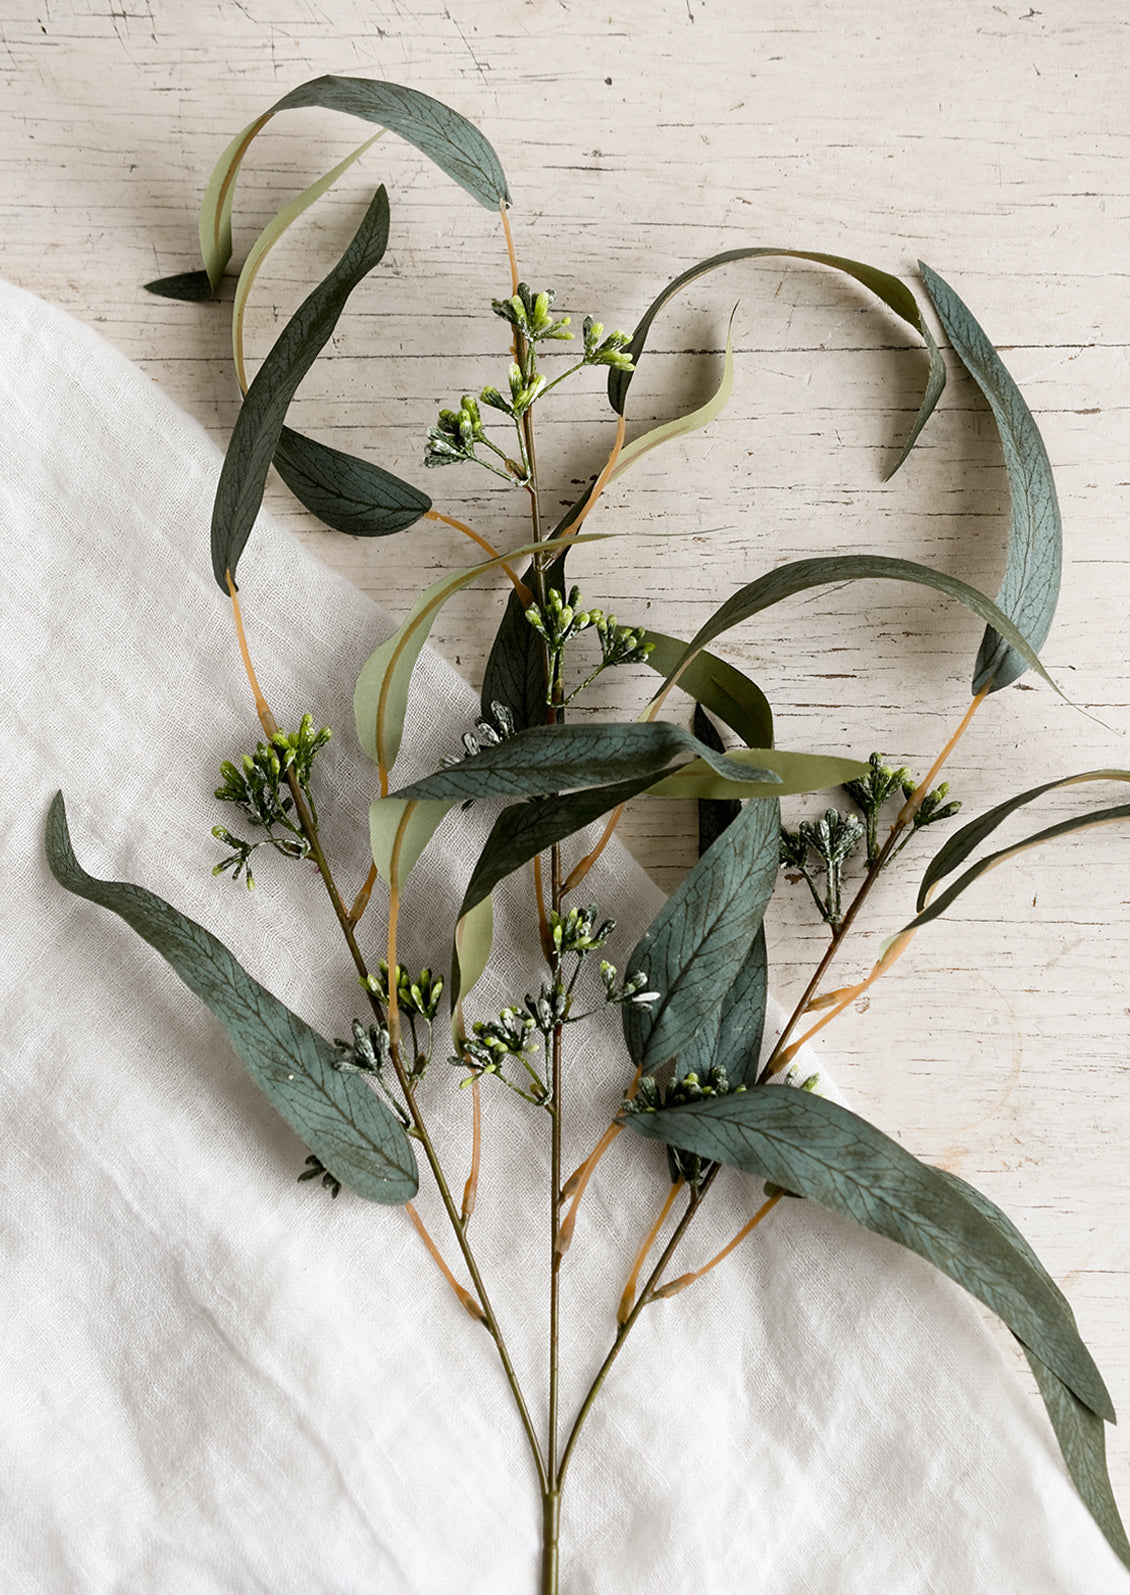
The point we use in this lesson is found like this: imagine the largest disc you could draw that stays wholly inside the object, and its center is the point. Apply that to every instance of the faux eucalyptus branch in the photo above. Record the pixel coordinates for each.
(693, 1074)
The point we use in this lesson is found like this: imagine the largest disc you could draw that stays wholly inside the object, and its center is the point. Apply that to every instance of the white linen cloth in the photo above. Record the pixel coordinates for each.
(216, 1381)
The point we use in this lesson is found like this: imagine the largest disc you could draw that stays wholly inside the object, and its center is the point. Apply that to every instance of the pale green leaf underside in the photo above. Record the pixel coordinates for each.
(380, 700)
(454, 144)
(720, 687)
(814, 1147)
(1030, 588)
(894, 294)
(684, 424)
(798, 772)
(339, 1117)
(385, 818)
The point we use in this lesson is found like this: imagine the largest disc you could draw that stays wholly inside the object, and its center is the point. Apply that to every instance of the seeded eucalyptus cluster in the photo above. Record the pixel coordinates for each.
(691, 1070)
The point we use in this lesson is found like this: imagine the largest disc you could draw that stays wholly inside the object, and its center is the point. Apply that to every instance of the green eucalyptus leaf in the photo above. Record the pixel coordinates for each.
(380, 701)
(714, 814)
(730, 1034)
(796, 772)
(720, 687)
(1030, 588)
(802, 574)
(267, 240)
(1081, 1435)
(699, 940)
(349, 494)
(191, 286)
(515, 673)
(1079, 822)
(260, 421)
(684, 424)
(958, 847)
(523, 831)
(808, 1144)
(474, 933)
(894, 294)
(387, 815)
(555, 758)
(454, 144)
(340, 1117)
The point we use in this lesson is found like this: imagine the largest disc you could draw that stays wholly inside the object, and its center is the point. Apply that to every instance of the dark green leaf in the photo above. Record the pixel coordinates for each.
(260, 421)
(1030, 588)
(454, 144)
(555, 758)
(724, 690)
(349, 494)
(192, 286)
(714, 814)
(701, 937)
(523, 831)
(1080, 822)
(730, 1036)
(1081, 1435)
(337, 1114)
(959, 846)
(515, 672)
(894, 294)
(818, 1149)
(802, 574)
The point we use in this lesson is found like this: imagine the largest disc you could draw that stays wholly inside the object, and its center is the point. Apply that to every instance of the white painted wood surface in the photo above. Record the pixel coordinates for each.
(989, 139)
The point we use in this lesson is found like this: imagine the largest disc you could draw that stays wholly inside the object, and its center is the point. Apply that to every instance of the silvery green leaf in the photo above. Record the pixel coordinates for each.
(259, 424)
(701, 937)
(810, 1145)
(341, 1118)
(1030, 588)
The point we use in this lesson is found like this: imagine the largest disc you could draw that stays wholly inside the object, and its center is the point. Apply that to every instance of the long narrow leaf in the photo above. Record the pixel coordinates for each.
(720, 687)
(683, 425)
(1030, 588)
(1079, 822)
(796, 772)
(701, 937)
(802, 574)
(341, 1118)
(454, 144)
(1081, 1435)
(558, 758)
(385, 817)
(730, 1033)
(958, 847)
(894, 294)
(380, 700)
(809, 1144)
(260, 421)
(267, 240)
(515, 673)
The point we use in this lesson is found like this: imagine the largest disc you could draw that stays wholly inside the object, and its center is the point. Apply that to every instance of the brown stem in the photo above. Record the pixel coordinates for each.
(465, 1297)
(471, 1189)
(627, 1300)
(676, 1285)
(524, 594)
